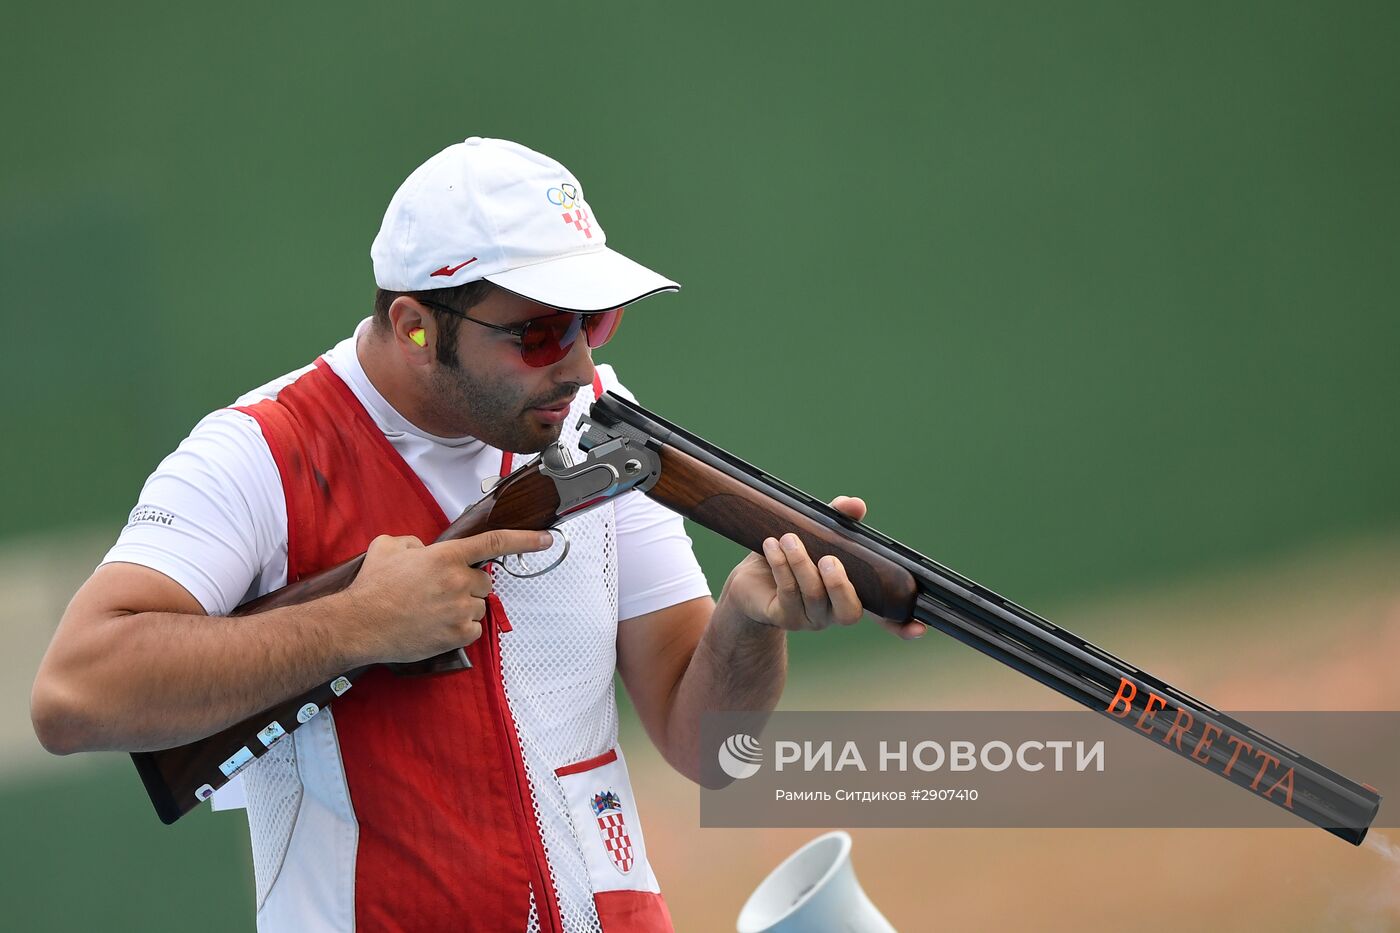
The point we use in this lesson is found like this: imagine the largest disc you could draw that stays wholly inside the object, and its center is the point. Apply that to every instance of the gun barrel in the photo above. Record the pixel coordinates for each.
(1092, 677)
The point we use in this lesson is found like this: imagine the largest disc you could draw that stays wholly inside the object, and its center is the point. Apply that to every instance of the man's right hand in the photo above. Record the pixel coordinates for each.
(415, 601)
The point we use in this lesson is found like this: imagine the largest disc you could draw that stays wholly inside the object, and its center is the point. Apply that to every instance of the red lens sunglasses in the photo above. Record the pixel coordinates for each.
(546, 340)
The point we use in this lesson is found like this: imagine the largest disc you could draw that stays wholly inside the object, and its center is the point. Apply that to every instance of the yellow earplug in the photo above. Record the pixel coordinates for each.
(418, 337)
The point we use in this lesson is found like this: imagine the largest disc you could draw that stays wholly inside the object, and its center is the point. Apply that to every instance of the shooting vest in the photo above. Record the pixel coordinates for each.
(492, 799)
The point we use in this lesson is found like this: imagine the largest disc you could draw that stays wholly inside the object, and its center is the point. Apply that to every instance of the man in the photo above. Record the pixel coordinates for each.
(494, 798)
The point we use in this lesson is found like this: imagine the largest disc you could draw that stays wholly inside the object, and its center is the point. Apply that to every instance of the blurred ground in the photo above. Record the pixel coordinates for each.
(1320, 630)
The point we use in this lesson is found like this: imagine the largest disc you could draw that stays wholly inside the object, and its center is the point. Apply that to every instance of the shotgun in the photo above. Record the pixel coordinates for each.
(628, 448)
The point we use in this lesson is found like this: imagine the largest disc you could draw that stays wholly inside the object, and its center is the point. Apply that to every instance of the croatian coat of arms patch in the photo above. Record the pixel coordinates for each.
(607, 808)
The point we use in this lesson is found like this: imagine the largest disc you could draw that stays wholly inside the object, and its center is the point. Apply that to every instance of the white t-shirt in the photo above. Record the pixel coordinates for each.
(213, 517)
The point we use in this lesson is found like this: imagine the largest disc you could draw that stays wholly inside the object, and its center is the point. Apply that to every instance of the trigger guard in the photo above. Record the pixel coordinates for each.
(500, 562)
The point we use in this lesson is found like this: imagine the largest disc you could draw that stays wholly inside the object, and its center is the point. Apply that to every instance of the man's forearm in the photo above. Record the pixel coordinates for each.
(738, 664)
(154, 680)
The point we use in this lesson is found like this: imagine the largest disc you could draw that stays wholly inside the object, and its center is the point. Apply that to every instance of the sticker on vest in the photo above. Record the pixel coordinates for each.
(340, 685)
(237, 761)
(271, 733)
(306, 712)
(606, 823)
(204, 793)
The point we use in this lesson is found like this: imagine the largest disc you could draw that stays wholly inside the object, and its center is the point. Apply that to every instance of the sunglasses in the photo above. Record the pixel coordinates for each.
(546, 340)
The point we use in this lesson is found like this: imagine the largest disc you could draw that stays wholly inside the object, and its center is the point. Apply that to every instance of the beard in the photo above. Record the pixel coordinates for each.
(492, 411)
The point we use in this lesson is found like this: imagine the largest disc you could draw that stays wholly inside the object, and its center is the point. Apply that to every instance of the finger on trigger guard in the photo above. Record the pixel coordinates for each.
(524, 573)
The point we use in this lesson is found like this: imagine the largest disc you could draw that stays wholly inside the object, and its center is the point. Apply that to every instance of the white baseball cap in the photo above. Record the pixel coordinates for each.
(493, 209)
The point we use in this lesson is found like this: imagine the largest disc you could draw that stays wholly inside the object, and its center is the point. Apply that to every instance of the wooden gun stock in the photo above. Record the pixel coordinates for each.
(722, 504)
(178, 779)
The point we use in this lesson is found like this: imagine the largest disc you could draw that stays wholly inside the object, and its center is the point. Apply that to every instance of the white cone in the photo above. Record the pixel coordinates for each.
(814, 889)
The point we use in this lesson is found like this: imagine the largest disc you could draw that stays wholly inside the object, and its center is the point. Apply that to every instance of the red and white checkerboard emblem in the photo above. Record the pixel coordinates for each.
(579, 218)
(607, 807)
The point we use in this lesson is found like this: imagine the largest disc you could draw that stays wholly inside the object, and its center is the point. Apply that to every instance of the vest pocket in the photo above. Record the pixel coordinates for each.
(609, 831)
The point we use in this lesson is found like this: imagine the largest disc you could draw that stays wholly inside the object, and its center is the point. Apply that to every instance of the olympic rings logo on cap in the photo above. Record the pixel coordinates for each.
(565, 196)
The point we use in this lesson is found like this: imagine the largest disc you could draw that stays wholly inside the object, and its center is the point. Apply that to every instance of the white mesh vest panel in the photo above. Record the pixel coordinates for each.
(274, 792)
(558, 663)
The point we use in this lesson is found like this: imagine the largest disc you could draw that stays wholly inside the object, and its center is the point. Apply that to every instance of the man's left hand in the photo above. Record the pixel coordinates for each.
(784, 588)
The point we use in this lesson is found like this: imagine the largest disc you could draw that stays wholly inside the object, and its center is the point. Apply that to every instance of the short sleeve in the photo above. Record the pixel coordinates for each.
(212, 516)
(656, 565)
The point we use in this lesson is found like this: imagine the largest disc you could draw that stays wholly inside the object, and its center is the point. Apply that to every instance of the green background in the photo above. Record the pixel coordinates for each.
(1080, 297)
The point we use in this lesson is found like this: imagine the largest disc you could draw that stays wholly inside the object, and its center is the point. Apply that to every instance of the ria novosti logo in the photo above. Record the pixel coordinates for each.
(740, 756)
